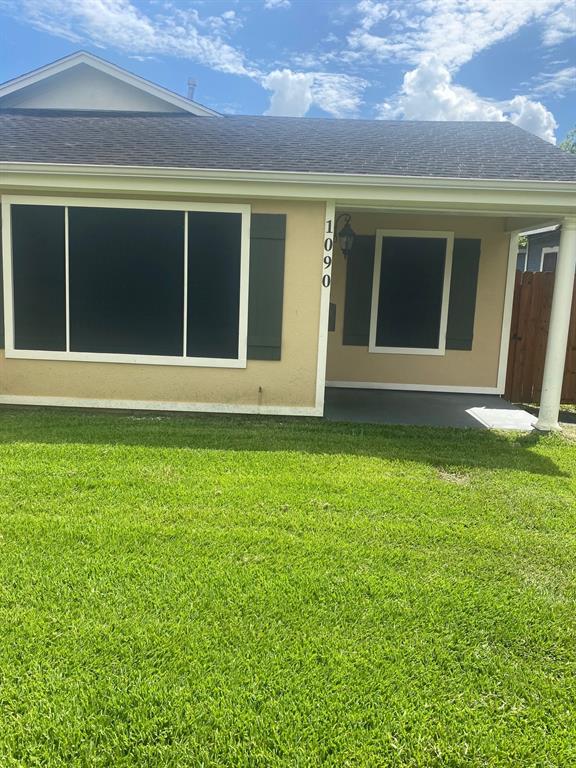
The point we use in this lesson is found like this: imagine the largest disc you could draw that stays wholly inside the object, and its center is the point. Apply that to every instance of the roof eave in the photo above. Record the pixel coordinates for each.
(361, 179)
(537, 202)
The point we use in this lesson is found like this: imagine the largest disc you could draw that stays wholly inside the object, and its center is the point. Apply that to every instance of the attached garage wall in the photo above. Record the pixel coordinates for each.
(288, 383)
(477, 367)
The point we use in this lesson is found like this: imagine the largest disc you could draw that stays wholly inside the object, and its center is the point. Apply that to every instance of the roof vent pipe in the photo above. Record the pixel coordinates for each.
(191, 88)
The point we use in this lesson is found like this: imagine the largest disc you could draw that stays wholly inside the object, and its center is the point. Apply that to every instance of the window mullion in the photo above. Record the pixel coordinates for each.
(185, 333)
(67, 277)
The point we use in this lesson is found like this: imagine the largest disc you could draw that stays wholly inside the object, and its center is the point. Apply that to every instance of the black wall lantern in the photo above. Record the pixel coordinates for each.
(346, 235)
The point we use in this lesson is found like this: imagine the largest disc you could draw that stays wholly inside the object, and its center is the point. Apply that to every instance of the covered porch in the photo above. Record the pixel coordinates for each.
(425, 409)
(420, 314)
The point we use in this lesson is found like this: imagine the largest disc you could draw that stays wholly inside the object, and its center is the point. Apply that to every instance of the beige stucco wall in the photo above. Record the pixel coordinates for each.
(290, 381)
(476, 368)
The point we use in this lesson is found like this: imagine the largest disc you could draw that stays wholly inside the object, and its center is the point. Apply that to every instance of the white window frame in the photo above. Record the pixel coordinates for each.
(98, 357)
(441, 235)
(545, 251)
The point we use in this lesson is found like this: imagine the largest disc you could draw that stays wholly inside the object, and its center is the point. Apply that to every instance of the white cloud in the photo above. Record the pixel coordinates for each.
(453, 30)
(119, 24)
(293, 93)
(183, 16)
(338, 95)
(372, 12)
(272, 4)
(428, 93)
(555, 83)
(532, 116)
(560, 25)
(438, 36)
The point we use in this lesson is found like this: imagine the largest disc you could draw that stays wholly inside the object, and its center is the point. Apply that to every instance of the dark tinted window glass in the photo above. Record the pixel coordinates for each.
(549, 261)
(38, 266)
(213, 284)
(410, 296)
(1, 297)
(126, 281)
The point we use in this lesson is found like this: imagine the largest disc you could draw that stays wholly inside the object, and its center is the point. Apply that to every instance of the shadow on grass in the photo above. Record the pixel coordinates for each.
(437, 447)
(567, 413)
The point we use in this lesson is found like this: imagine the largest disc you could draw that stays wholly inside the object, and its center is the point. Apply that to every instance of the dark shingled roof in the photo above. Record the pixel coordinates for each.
(464, 150)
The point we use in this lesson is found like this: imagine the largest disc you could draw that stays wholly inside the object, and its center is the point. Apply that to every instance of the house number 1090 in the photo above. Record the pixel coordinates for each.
(328, 246)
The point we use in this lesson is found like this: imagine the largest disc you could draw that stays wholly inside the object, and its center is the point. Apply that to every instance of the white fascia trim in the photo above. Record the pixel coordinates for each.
(82, 57)
(456, 389)
(161, 405)
(549, 200)
(233, 174)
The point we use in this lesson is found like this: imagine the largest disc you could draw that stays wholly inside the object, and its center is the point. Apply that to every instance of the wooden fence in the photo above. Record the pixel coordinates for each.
(529, 333)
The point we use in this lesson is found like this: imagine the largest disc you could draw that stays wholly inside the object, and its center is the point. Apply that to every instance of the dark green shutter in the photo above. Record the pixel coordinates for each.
(463, 285)
(266, 291)
(358, 301)
(332, 317)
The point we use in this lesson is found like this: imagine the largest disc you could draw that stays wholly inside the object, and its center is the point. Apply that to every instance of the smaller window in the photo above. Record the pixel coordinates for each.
(533, 261)
(410, 292)
(549, 258)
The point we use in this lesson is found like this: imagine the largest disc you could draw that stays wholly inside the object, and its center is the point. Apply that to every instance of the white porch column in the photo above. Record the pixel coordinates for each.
(559, 328)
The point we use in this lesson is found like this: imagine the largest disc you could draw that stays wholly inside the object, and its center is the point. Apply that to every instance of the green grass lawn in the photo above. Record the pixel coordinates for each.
(247, 592)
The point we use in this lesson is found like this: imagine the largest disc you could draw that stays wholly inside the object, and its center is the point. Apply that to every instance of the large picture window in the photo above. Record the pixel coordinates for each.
(410, 292)
(127, 281)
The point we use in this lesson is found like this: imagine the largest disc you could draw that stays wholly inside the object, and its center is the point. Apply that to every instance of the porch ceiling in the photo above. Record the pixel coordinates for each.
(511, 223)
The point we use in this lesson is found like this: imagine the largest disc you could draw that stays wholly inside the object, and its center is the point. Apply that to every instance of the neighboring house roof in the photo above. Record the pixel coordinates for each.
(552, 237)
(461, 150)
(541, 230)
(33, 86)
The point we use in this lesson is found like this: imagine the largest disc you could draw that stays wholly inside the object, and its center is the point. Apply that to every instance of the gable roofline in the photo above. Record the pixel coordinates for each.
(83, 57)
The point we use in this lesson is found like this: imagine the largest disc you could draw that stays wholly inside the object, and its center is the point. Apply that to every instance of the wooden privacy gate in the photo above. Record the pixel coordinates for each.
(528, 336)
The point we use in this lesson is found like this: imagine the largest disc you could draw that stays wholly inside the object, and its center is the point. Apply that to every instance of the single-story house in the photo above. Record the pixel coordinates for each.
(540, 251)
(158, 255)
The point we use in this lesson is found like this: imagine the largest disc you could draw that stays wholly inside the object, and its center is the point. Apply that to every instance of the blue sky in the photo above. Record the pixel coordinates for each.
(401, 59)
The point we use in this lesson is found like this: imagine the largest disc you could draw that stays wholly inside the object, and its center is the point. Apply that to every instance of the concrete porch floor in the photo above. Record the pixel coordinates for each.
(431, 409)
